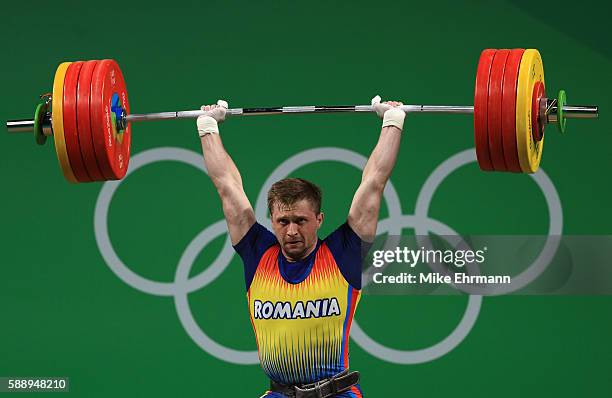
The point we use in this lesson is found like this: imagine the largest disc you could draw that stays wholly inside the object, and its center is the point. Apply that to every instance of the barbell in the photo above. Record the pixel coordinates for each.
(88, 115)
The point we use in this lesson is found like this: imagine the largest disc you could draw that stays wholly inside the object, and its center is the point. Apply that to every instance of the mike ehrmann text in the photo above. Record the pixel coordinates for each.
(437, 278)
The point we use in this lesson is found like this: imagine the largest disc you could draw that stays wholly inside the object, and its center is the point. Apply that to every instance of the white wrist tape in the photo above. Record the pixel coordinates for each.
(207, 125)
(394, 117)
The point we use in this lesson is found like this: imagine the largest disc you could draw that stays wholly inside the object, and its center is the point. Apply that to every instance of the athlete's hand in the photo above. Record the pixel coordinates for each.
(216, 111)
(207, 123)
(390, 112)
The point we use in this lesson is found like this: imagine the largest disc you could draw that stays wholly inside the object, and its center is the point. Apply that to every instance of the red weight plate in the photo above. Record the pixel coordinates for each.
(537, 127)
(83, 121)
(112, 148)
(494, 110)
(71, 132)
(481, 94)
(509, 110)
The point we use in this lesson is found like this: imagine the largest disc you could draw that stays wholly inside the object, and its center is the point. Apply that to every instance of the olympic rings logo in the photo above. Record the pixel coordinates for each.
(393, 225)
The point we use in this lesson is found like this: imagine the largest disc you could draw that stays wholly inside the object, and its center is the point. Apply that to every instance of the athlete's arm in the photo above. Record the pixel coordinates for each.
(363, 215)
(224, 174)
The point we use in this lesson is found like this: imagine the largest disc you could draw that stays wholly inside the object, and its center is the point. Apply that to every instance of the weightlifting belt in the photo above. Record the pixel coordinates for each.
(321, 389)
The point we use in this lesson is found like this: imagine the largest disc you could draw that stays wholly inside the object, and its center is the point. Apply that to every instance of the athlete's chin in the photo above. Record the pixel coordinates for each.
(294, 251)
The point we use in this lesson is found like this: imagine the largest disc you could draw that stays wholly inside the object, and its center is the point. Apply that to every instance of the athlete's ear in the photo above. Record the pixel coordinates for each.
(320, 217)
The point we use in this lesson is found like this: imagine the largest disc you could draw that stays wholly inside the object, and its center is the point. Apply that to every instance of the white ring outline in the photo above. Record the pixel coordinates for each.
(555, 215)
(322, 154)
(111, 258)
(422, 355)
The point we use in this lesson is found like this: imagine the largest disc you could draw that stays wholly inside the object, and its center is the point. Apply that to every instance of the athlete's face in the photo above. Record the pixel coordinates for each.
(295, 227)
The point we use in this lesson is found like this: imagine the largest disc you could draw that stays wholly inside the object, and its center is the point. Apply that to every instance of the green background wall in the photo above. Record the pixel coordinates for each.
(65, 313)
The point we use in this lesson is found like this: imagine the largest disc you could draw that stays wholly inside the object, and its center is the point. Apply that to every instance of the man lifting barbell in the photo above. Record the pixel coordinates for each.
(302, 291)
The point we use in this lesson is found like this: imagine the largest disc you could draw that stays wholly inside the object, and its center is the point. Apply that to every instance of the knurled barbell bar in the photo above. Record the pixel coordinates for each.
(88, 115)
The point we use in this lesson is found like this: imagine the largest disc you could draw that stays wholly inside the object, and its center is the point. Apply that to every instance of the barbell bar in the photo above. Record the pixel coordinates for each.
(570, 112)
(89, 118)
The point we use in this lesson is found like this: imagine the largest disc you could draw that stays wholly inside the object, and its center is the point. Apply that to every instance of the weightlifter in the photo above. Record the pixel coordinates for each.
(302, 291)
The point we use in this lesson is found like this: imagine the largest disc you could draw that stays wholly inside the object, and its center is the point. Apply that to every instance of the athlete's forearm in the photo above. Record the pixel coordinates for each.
(220, 166)
(382, 160)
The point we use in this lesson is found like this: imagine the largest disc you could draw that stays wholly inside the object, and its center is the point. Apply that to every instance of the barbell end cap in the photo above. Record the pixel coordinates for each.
(20, 126)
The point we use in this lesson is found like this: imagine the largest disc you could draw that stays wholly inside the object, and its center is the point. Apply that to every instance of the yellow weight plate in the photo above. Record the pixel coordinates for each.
(57, 121)
(531, 71)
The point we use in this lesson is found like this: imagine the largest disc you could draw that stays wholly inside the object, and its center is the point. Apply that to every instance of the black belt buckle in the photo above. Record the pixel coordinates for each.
(305, 392)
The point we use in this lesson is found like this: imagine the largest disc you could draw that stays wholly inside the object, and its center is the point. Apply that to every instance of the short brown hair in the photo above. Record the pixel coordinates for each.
(291, 190)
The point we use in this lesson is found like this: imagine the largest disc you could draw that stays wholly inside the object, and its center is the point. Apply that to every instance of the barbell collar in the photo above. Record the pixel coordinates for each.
(572, 112)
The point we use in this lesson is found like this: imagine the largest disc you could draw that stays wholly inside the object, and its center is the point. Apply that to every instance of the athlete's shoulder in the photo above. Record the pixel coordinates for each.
(343, 232)
(348, 251)
(257, 236)
(252, 248)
